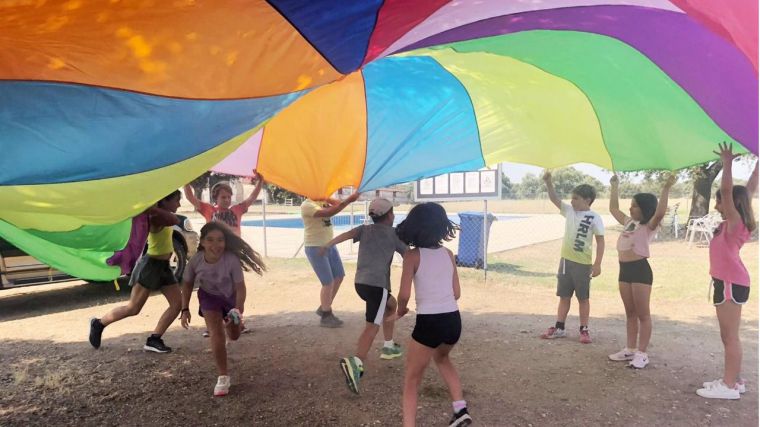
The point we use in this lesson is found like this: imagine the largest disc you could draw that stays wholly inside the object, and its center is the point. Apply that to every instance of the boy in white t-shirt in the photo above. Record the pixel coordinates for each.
(582, 227)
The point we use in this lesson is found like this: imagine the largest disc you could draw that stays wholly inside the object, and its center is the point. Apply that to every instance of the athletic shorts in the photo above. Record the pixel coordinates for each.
(152, 273)
(737, 293)
(432, 330)
(636, 272)
(210, 302)
(376, 299)
(328, 267)
(573, 278)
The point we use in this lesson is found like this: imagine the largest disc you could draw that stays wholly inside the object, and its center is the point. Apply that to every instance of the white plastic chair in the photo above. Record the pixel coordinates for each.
(703, 227)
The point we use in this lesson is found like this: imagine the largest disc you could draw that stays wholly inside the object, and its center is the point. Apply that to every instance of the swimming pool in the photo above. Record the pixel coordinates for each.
(344, 221)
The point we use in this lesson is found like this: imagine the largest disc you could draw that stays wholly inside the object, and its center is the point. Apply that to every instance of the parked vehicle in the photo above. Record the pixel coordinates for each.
(20, 269)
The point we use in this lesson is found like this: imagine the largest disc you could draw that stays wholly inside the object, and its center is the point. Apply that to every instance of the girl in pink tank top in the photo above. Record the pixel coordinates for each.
(730, 278)
(436, 288)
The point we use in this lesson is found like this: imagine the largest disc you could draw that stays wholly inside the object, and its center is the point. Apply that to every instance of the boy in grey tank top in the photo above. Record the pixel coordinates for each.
(373, 284)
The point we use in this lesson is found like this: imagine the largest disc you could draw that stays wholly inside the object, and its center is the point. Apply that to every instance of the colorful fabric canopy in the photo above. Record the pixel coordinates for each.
(108, 106)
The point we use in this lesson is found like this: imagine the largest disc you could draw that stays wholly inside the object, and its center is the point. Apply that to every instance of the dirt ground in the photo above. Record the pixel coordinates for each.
(286, 372)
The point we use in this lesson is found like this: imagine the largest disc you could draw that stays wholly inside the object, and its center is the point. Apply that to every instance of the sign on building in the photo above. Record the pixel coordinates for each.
(484, 184)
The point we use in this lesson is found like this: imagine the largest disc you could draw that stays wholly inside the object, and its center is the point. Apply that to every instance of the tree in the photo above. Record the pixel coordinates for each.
(507, 188)
(278, 195)
(702, 177)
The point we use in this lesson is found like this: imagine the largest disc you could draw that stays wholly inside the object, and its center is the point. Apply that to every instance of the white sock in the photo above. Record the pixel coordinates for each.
(388, 344)
(358, 361)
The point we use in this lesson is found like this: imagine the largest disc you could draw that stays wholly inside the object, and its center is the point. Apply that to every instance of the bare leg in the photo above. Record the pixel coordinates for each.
(365, 340)
(389, 320)
(335, 287)
(417, 358)
(215, 327)
(562, 309)
(729, 317)
(233, 330)
(173, 294)
(641, 294)
(584, 309)
(137, 299)
(448, 371)
(326, 297)
(631, 320)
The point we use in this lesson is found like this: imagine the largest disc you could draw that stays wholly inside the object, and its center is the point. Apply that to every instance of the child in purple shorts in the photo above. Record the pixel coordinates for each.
(217, 269)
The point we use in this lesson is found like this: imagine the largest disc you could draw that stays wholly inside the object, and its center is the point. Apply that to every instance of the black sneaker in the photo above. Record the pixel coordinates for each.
(460, 419)
(157, 345)
(96, 331)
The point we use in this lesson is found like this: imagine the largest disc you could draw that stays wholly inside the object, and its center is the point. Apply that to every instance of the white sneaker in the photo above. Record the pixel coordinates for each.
(741, 385)
(719, 390)
(640, 360)
(622, 355)
(222, 386)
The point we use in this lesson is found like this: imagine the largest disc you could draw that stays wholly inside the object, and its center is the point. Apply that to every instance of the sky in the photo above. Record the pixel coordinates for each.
(516, 171)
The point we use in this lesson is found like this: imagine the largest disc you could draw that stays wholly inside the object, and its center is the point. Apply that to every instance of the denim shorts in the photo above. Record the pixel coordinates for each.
(328, 267)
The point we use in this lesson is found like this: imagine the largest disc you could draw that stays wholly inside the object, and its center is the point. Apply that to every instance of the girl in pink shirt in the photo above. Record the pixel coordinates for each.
(730, 278)
(635, 279)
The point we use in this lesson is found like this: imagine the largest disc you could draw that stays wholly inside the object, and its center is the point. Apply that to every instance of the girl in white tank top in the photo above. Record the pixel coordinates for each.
(431, 268)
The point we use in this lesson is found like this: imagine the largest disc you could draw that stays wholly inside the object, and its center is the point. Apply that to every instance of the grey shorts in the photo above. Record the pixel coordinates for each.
(573, 278)
(328, 267)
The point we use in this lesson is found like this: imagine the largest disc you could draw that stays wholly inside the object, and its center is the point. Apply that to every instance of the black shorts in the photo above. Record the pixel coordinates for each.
(376, 299)
(432, 330)
(737, 293)
(636, 272)
(152, 273)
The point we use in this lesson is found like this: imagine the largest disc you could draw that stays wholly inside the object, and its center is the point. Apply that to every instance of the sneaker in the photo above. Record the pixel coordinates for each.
(96, 332)
(206, 334)
(460, 419)
(330, 321)
(222, 387)
(585, 338)
(622, 355)
(157, 345)
(319, 311)
(719, 390)
(233, 316)
(553, 333)
(640, 360)
(389, 353)
(352, 371)
(741, 385)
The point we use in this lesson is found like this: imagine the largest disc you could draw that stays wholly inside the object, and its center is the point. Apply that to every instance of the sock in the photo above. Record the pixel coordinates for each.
(560, 325)
(99, 324)
(359, 362)
(388, 344)
(458, 405)
(583, 328)
(155, 336)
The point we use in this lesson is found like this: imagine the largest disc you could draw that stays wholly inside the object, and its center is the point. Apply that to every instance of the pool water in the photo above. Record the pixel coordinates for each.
(344, 221)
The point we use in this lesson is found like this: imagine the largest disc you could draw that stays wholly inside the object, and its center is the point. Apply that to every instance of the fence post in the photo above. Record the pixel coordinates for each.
(264, 221)
(485, 236)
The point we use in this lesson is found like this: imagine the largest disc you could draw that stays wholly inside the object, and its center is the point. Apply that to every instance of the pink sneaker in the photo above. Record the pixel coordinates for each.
(585, 337)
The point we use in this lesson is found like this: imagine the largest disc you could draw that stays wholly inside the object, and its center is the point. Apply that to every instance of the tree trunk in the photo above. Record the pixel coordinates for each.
(703, 178)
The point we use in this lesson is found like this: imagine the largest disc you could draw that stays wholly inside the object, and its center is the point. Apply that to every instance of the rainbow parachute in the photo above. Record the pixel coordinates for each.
(107, 106)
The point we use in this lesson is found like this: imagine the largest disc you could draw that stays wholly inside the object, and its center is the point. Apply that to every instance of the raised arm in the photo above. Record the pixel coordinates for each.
(752, 183)
(615, 202)
(255, 193)
(334, 209)
(727, 184)
(662, 204)
(190, 196)
(161, 217)
(409, 267)
(551, 191)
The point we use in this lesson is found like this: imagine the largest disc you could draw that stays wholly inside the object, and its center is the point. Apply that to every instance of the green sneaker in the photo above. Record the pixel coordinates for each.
(352, 371)
(389, 353)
